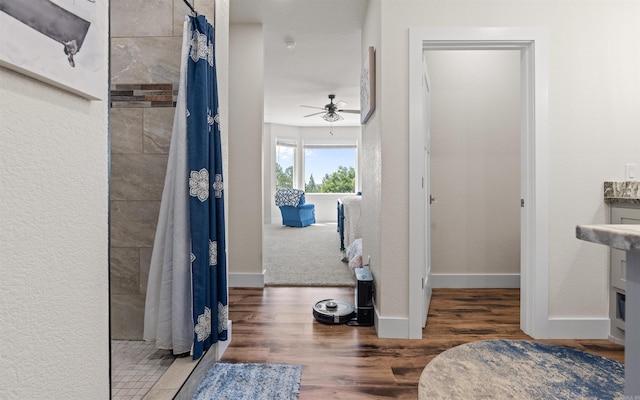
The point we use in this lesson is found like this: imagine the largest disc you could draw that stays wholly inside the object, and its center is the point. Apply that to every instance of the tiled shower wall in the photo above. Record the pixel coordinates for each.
(146, 40)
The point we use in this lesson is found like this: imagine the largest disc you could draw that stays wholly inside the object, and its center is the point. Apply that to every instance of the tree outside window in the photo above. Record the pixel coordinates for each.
(284, 179)
(330, 168)
(341, 181)
(285, 157)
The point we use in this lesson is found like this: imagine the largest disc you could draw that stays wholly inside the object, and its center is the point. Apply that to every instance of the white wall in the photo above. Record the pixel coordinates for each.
(593, 131)
(475, 162)
(244, 182)
(371, 160)
(325, 203)
(54, 295)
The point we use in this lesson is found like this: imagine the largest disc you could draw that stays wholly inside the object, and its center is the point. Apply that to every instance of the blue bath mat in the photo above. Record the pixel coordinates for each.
(250, 382)
(508, 369)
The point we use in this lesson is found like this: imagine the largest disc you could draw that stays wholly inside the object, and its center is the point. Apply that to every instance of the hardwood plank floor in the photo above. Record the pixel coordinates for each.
(276, 325)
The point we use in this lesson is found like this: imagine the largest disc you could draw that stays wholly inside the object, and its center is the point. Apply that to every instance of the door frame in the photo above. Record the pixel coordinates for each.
(427, 279)
(534, 154)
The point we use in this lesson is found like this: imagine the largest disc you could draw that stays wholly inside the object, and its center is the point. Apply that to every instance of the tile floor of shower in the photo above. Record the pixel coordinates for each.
(136, 366)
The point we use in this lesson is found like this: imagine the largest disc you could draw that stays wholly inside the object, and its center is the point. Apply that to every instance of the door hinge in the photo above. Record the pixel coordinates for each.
(423, 283)
(521, 202)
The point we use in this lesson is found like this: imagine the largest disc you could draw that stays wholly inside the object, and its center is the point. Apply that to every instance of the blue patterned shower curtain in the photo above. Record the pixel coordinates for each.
(206, 204)
(186, 307)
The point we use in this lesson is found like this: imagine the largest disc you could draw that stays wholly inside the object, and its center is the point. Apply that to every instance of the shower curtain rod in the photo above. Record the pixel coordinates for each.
(193, 10)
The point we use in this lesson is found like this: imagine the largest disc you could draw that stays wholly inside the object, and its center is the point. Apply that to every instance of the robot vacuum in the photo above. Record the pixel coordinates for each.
(333, 312)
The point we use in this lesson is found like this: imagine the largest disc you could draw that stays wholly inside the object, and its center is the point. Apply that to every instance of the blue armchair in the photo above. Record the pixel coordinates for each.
(295, 212)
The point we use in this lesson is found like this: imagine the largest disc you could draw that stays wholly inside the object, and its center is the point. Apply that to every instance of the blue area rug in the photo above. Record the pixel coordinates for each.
(250, 382)
(508, 369)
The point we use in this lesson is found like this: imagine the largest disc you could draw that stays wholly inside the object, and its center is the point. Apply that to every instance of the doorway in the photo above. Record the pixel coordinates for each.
(475, 168)
(533, 47)
(308, 256)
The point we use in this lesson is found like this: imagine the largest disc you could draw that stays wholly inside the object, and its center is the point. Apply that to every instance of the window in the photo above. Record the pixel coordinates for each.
(285, 160)
(330, 167)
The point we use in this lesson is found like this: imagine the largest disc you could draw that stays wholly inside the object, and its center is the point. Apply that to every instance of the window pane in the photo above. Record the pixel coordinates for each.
(330, 169)
(284, 164)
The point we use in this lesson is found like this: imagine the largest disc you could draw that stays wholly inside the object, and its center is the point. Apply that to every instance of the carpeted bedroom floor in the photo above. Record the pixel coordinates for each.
(308, 256)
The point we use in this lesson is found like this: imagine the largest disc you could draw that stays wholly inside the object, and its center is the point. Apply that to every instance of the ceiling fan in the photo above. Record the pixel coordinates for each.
(331, 110)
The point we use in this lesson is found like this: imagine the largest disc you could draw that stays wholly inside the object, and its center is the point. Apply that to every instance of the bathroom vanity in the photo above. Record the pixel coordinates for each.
(624, 199)
(625, 238)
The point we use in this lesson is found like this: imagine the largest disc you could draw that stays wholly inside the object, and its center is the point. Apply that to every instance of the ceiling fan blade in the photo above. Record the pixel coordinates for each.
(319, 108)
(311, 115)
(350, 111)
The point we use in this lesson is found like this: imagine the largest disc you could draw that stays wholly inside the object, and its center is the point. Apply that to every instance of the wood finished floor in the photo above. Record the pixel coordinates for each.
(276, 325)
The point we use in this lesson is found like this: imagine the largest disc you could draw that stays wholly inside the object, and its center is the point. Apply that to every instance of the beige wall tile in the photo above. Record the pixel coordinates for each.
(133, 223)
(157, 128)
(145, 60)
(124, 266)
(137, 177)
(145, 262)
(126, 130)
(141, 18)
(127, 316)
(180, 10)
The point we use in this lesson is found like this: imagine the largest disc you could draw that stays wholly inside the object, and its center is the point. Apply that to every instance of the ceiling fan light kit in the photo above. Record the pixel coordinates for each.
(332, 117)
(331, 110)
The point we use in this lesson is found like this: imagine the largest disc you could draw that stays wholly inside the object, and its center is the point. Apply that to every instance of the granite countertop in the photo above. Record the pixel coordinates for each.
(622, 192)
(623, 237)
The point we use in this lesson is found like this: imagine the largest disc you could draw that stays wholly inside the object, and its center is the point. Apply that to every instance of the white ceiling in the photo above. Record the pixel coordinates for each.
(326, 59)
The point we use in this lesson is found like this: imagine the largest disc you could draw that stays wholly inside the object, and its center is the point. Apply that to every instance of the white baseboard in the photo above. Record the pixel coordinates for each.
(476, 281)
(579, 328)
(391, 328)
(240, 279)
(559, 328)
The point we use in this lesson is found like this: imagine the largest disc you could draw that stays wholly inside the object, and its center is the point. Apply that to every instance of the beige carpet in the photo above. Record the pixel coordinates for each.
(308, 256)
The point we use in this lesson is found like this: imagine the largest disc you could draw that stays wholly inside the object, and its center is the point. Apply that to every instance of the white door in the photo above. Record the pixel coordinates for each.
(428, 197)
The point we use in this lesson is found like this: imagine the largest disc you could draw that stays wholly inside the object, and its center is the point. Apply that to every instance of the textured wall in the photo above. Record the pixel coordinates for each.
(146, 42)
(53, 239)
(371, 162)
